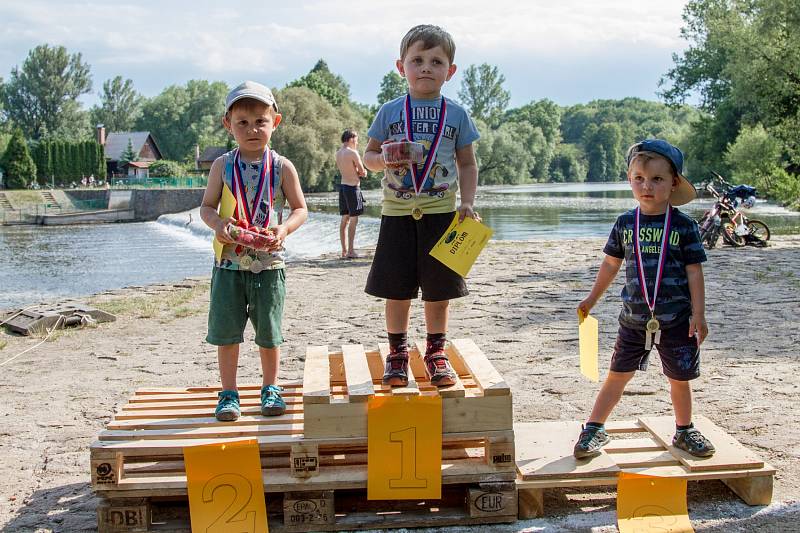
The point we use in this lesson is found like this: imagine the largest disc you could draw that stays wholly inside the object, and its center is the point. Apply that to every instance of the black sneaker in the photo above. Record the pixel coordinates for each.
(439, 369)
(591, 440)
(692, 441)
(396, 373)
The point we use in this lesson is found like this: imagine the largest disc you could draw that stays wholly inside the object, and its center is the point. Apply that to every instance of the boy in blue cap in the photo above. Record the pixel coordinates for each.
(248, 283)
(419, 200)
(663, 300)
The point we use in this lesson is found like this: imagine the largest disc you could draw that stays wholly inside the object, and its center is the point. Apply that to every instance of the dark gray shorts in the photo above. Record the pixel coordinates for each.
(351, 200)
(680, 355)
(403, 265)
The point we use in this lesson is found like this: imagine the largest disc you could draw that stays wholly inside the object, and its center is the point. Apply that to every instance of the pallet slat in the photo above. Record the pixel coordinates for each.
(359, 378)
(453, 391)
(487, 377)
(316, 376)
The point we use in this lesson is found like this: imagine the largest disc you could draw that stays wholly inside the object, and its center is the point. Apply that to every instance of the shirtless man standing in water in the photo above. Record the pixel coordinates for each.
(351, 201)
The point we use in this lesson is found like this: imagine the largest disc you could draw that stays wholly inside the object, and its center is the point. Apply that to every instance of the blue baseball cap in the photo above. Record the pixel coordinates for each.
(685, 191)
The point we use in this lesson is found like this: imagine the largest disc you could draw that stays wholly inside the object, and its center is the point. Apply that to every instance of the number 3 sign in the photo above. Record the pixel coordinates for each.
(226, 491)
(404, 448)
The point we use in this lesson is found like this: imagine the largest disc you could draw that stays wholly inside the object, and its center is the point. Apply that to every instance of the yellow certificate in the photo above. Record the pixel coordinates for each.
(649, 503)
(404, 447)
(461, 243)
(588, 346)
(226, 490)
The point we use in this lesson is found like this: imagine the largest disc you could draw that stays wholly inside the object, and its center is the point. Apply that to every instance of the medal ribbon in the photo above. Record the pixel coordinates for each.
(661, 258)
(420, 177)
(242, 206)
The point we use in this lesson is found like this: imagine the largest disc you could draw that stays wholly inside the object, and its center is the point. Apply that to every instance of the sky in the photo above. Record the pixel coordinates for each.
(569, 51)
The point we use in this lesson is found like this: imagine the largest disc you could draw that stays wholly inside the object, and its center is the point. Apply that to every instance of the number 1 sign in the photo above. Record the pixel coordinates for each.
(404, 447)
(226, 491)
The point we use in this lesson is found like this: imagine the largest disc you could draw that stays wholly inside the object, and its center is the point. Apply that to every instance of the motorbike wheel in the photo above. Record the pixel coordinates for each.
(758, 230)
(729, 235)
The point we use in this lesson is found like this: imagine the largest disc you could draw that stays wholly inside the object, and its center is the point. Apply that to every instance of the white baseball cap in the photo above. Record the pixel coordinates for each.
(251, 89)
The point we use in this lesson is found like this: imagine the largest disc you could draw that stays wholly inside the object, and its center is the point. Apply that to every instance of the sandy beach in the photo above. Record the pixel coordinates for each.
(521, 312)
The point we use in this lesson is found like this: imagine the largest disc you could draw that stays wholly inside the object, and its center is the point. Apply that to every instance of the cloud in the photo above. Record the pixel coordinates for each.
(162, 43)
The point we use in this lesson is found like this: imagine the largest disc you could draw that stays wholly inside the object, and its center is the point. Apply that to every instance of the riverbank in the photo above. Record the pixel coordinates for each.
(521, 313)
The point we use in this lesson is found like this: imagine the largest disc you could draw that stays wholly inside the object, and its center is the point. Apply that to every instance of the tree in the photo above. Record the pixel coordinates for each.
(603, 147)
(325, 83)
(166, 168)
(567, 164)
(42, 96)
(128, 155)
(753, 157)
(182, 116)
(393, 85)
(482, 92)
(18, 166)
(42, 158)
(120, 105)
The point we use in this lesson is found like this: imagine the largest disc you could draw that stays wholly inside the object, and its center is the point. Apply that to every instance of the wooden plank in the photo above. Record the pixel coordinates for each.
(409, 390)
(544, 450)
(530, 503)
(356, 369)
(486, 376)
(730, 455)
(624, 426)
(643, 459)
(756, 490)
(492, 499)
(632, 445)
(212, 389)
(308, 509)
(453, 391)
(125, 515)
(200, 396)
(208, 421)
(316, 376)
(217, 432)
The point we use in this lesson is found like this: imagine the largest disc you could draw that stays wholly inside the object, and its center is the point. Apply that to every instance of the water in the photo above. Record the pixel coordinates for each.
(41, 263)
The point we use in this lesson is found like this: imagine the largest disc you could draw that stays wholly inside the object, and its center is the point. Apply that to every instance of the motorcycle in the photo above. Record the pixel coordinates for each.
(726, 220)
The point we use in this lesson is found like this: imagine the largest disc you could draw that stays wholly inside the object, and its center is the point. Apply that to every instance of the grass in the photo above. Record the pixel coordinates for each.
(3, 344)
(22, 198)
(176, 304)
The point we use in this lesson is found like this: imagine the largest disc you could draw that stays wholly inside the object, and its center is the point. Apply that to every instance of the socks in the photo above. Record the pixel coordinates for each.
(398, 343)
(435, 343)
(597, 425)
(683, 428)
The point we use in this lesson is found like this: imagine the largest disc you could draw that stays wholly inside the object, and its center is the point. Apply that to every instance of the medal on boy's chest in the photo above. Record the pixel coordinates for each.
(245, 262)
(416, 213)
(652, 333)
(418, 177)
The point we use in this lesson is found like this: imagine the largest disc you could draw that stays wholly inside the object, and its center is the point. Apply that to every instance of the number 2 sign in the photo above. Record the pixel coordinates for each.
(404, 447)
(226, 491)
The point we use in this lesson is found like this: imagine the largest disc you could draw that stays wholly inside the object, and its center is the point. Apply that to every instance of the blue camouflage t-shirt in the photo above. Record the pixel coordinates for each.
(438, 194)
(673, 304)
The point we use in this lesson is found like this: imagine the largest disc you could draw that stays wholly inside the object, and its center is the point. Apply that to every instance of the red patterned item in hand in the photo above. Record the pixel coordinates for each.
(403, 152)
(251, 237)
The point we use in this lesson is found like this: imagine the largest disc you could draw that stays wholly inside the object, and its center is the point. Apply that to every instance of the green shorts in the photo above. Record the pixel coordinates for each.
(239, 294)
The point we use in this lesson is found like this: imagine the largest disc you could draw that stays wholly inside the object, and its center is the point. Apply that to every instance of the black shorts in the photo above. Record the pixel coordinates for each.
(351, 201)
(402, 264)
(680, 355)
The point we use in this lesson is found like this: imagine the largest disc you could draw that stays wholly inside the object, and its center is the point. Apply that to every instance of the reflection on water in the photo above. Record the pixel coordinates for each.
(43, 263)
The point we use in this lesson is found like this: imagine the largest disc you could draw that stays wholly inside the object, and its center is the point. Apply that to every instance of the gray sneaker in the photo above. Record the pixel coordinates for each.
(591, 440)
(692, 441)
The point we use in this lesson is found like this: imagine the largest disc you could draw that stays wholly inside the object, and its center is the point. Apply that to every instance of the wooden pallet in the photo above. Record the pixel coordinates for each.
(319, 445)
(544, 460)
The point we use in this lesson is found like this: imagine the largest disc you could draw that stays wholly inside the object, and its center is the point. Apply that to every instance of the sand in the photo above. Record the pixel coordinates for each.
(521, 312)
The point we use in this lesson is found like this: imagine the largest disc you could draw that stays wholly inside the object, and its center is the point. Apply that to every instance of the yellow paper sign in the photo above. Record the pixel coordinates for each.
(460, 245)
(226, 491)
(588, 346)
(651, 504)
(227, 204)
(404, 447)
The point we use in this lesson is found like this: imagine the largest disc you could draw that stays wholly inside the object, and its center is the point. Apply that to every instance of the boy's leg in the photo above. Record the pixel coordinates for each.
(687, 437)
(439, 369)
(272, 403)
(351, 237)
(228, 359)
(397, 318)
(342, 231)
(681, 394)
(266, 296)
(593, 435)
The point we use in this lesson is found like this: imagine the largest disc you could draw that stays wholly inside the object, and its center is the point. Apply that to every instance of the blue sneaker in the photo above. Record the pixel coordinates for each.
(271, 402)
(228, 406)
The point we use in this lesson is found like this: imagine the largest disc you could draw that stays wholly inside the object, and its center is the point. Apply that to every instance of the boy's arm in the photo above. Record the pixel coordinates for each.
(211, 198)
(608, 271)
(697, 291)
(290, 184)
(373, 159)
(360, 170)
(467, 181)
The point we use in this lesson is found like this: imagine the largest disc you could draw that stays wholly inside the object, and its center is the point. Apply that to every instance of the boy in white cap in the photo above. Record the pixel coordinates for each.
(247, 283)
(663, 297)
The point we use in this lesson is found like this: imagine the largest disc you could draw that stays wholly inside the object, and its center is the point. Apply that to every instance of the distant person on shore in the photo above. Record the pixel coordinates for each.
(246, 283)
(351, 201)
(663, 299)
(419, 201)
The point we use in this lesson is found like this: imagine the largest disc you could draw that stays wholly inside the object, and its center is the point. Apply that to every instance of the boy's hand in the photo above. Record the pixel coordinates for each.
(465, 210)
(280, 232)
(391, 165)
(586, 306)
(698, 327)
(221, 231)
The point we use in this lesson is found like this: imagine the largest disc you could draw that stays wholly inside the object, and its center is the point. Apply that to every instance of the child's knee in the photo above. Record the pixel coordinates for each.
(620, 377)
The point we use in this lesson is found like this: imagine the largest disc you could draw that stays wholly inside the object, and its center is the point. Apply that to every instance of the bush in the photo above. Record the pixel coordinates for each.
(753, 157)
(166, 168)
(786, 188)
(18, 166)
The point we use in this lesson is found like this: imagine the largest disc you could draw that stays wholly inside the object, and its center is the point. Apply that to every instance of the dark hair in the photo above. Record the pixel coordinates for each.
(348, 134)
(431, 36)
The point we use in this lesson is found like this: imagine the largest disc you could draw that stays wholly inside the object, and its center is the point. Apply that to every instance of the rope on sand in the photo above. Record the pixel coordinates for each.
(49, 332)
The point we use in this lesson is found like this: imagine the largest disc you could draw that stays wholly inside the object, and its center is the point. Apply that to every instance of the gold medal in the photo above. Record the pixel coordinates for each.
(256, 267)
(416, 213)
(652, 325)
(245, 262)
